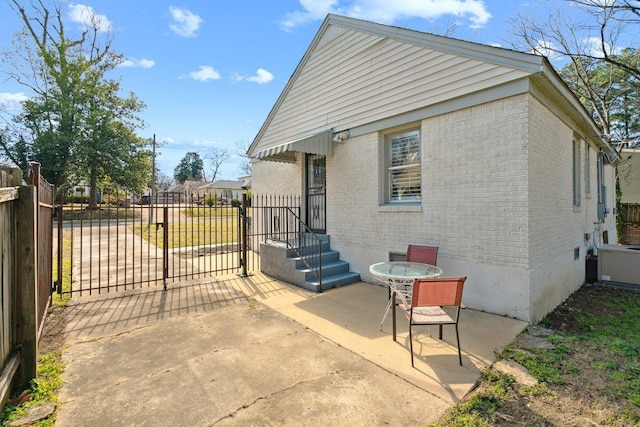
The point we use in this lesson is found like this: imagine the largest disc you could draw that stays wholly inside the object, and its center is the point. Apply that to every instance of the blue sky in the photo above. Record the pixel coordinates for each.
(210, 71)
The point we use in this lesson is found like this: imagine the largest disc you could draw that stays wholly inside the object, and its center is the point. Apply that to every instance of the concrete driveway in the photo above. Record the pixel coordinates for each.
(257, 351)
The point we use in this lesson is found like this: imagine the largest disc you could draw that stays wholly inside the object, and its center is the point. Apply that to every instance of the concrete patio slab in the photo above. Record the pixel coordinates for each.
(257, 351)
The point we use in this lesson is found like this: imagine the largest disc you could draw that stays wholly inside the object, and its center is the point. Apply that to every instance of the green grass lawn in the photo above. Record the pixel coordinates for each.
(591, 376)
(208, 212)
(185, 234)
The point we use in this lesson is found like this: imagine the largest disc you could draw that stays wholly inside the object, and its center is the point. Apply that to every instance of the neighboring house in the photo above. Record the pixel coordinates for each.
(185, 192)
(417, 138)
(81, 190)
(225, 190)
(230, 190)
(173, 194)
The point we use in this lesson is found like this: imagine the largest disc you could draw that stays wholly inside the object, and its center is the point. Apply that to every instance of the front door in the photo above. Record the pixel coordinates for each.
(316, 173)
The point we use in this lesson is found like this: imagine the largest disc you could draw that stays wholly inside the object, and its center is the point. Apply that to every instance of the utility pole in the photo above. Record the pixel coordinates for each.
(153, 181)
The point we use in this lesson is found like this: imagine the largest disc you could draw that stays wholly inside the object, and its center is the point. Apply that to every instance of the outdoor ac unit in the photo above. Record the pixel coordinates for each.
(620, 264)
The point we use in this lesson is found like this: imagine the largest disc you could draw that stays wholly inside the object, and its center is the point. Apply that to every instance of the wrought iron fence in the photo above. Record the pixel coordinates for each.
(279, 220)
(117, 246)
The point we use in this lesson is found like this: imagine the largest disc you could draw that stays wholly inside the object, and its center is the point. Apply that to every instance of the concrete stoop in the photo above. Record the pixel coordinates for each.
(279, 261)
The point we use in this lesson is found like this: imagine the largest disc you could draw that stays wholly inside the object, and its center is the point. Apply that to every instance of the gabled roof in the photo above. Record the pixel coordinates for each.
(536, 67)
(228, 185)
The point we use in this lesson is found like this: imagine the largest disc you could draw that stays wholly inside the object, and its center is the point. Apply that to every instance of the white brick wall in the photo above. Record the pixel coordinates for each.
(277, 178)
(497, 200)
(474, 192)
(475, 206)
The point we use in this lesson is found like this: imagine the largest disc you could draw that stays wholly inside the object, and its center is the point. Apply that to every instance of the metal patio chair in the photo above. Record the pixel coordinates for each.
(428, 298)
(423, 254)
(417, 253)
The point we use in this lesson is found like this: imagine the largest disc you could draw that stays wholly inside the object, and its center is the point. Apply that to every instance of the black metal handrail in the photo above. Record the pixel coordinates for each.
(285, 226)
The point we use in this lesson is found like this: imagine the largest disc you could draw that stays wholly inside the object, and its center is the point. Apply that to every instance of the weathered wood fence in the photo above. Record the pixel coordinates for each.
(25, 272)
(629, 215)
(630, 212)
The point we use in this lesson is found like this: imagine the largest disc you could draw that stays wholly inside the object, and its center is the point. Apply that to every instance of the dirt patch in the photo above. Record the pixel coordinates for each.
(52, 337)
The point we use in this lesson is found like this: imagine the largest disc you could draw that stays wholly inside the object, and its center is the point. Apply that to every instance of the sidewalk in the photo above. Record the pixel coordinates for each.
(257, 351)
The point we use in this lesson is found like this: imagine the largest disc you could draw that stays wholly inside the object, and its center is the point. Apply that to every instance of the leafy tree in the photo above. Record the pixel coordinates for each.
(75, 124)
(610, 95)
(190, 168)
(14, 148)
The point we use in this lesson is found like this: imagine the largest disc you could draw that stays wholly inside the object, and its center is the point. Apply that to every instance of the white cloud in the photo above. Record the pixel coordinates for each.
(262, 76)
(205, 73)
(138, 63)
(87, 18)
(387, 12)
(594, 47)
(547, 49)
(185, 23)
(11, 101)
(203, 144)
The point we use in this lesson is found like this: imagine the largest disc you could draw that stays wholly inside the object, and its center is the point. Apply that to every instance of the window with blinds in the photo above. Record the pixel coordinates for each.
(404, 183)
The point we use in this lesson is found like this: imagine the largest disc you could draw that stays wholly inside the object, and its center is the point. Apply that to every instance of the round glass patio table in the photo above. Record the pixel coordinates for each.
(399, 276)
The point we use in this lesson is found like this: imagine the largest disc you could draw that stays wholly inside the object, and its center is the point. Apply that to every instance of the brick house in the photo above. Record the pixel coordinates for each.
(417, 138)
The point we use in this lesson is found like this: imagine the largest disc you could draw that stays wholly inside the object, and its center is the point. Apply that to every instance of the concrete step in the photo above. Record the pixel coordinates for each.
(282, 262)
(329, 268)
(326, 257)
(333, 281)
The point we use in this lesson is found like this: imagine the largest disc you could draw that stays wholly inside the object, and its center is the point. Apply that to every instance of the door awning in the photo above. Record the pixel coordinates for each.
(319, 143)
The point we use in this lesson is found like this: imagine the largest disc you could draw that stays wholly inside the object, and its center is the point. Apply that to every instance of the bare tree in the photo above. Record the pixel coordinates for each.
(590, 30)
(242, 146)
(164, 181)
(216, 159)
(589, 36)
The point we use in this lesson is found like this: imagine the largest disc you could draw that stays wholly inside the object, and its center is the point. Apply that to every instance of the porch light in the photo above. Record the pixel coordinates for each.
(341, 137)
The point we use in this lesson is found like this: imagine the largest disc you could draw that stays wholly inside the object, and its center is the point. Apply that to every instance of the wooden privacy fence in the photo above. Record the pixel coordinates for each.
(629, 216)
(630, 213)
(44, 239)
(25, 272)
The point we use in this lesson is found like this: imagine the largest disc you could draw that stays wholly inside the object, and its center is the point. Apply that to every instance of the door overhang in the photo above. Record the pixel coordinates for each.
(319, 143)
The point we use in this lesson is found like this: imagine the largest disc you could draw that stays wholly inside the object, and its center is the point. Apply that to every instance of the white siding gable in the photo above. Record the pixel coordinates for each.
(350, 78)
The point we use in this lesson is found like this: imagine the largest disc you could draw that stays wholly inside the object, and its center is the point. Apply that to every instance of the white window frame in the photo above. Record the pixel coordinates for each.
(405, 163)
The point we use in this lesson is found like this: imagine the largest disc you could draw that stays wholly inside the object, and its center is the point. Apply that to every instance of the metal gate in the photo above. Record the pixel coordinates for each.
(118, 245)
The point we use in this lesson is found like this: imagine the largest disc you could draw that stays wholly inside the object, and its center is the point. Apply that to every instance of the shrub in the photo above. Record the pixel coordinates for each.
(210, 200)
